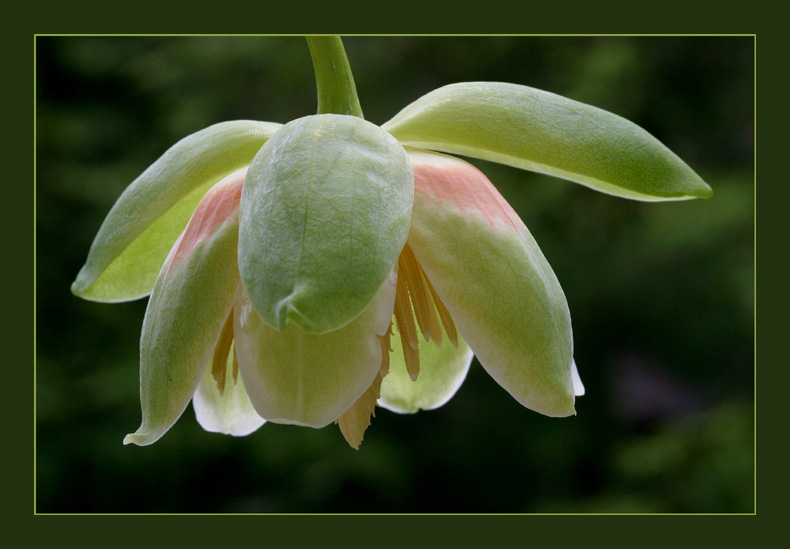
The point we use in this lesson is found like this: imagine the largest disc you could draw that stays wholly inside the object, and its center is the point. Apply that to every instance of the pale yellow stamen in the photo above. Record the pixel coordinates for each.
(235, 366)
(411, 301)
(409, 269)
(219, 362)
(355, 421)
(436, 327)
(408, 332)
(444, 314)
(386, 349)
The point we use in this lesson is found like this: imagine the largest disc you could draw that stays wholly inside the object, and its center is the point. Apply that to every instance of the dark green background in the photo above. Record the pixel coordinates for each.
(661, 295)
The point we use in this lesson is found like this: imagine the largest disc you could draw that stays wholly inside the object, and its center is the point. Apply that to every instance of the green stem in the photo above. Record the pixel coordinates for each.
(336, 90)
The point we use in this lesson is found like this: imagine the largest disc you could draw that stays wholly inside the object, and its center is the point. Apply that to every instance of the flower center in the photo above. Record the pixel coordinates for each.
(415, 297)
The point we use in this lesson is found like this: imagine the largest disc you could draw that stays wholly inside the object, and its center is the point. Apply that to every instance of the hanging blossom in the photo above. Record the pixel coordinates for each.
(306, 273)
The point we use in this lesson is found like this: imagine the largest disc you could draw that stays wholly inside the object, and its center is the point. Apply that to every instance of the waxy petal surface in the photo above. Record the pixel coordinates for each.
(442, 371)
(296, 377)
(137, 234)
(229, 412)
(331, 198)
(547, 133)
(189, 305)
(494, 280)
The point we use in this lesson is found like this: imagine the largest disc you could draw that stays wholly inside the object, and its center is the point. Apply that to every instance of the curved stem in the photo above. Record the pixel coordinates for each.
(337, 93)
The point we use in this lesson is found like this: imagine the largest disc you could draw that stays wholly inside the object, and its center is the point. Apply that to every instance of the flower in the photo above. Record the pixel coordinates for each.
(282, 260)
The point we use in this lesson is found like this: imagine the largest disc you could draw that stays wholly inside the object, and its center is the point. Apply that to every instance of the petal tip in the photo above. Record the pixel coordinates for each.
(132, 439)
(76, 289)
(697, 188)
(290, 312)
(80, 284)
(311, 320)
(140, 439)
(705, 192)
(559, 405)
(565, 412)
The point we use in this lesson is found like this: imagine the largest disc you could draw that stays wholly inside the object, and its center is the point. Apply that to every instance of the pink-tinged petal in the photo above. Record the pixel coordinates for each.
(452, 183)
(494, 280)
(293, 376)
(220, 203)
(190, 302)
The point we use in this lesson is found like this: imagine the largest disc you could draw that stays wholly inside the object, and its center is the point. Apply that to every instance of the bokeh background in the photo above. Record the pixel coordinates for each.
(661, 295)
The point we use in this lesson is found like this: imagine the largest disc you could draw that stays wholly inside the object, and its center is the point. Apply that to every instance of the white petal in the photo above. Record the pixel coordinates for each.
(578, 387)
(296, 377)
(231, 412)
(442, 372)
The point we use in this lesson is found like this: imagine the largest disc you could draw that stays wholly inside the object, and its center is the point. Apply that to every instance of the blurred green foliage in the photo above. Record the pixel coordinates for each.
(661, 295)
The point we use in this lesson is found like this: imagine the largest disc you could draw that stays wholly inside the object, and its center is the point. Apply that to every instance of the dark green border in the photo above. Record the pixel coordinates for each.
(770, 480)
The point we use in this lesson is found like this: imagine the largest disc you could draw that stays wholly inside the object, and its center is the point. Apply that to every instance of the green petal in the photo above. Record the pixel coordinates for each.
(189, 305)
(137, 234)
(324, 214)
(442, 371)
(543, 132)
(309, 379)
(230, 412)
(494, 280)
